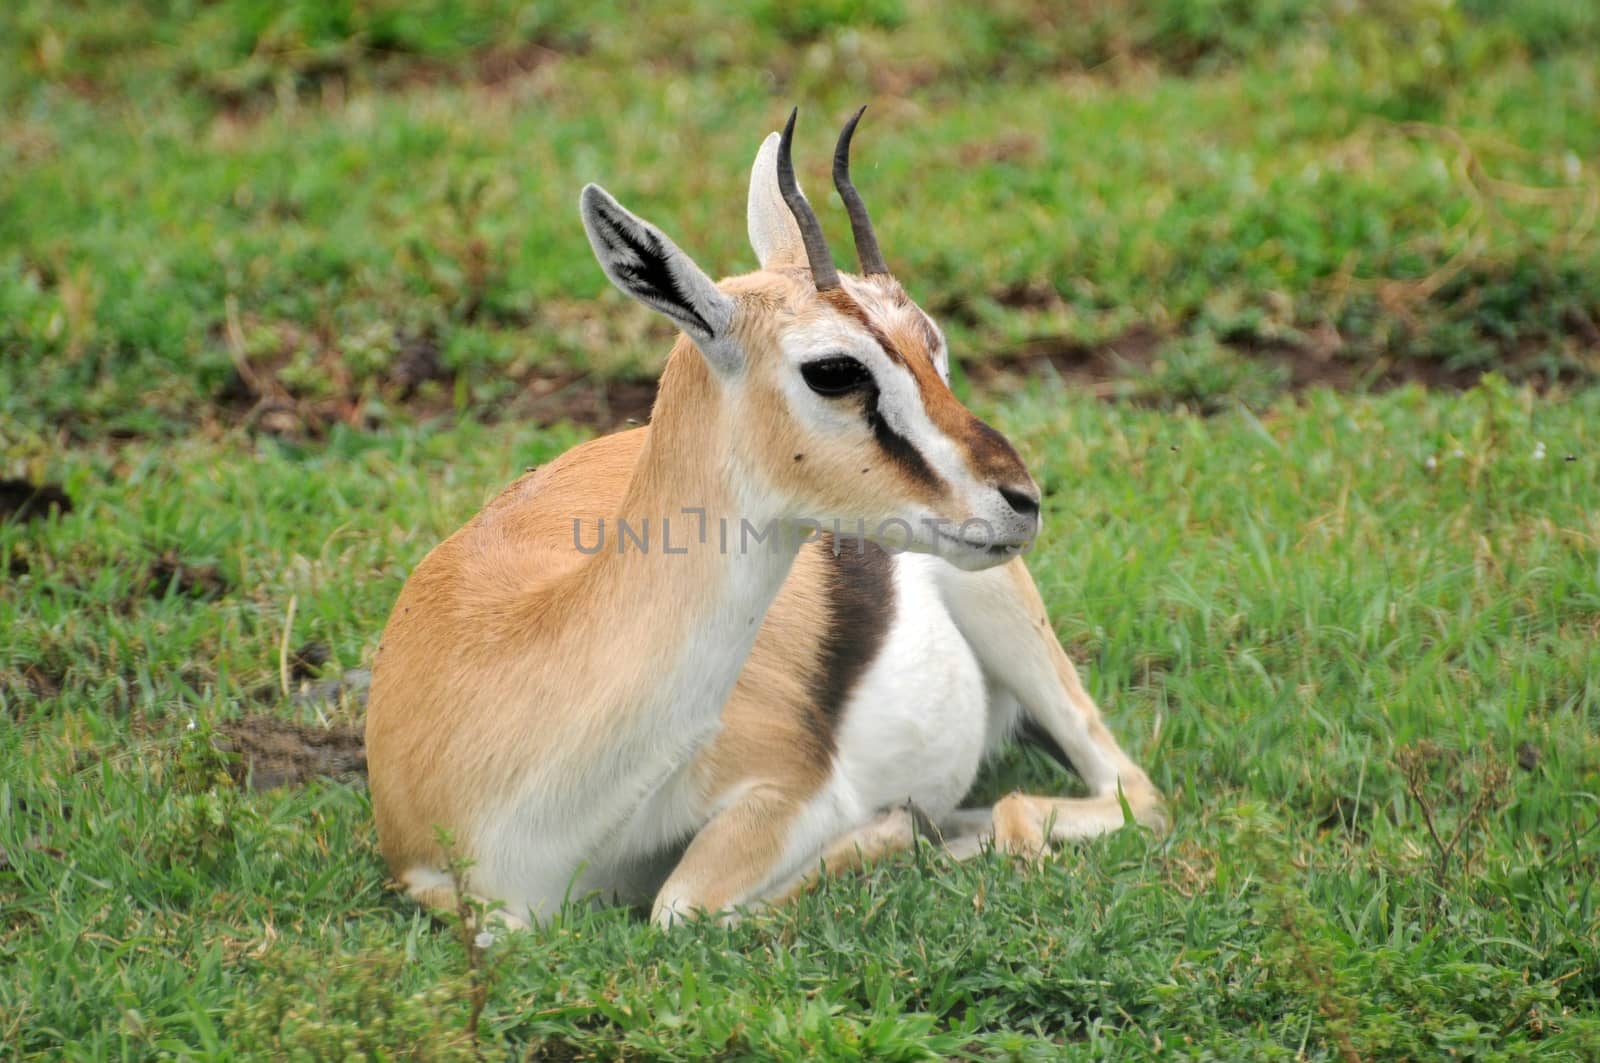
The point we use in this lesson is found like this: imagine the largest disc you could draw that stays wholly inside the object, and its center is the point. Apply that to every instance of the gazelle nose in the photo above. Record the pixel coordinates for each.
(1025, 500)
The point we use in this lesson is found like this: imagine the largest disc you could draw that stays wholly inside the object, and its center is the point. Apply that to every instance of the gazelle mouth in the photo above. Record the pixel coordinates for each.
(987, 548)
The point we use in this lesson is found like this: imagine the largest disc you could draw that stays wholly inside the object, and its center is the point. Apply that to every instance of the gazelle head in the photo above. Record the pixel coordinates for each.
(833, 388)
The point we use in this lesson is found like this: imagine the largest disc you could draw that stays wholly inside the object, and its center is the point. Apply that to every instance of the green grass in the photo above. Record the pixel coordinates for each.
(275, 278)
(1405, 180)
(1284, 614)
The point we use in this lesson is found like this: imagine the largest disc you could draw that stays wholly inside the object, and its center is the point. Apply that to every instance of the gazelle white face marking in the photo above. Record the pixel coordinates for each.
(884, 409)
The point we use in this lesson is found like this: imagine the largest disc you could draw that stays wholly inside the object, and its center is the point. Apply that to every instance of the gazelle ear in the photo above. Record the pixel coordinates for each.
(774, 234)
(642, 261)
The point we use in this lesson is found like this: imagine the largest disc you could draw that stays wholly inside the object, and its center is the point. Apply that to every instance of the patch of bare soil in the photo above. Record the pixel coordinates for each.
(171, 573)
(1110, 369)
(253, 88)
(254, 398)
(261, 394)
(587, 400)
(1015, 146)
(273, 752)
(30, 684)
(1098, 368)
(501, 65)
(1320, 364)
(1107, 368)
(23, 501)
(304, 689)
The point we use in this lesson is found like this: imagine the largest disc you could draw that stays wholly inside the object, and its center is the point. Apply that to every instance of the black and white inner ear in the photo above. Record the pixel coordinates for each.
(642, 261)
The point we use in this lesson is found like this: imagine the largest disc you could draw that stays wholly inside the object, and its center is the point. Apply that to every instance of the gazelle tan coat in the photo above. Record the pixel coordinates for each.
(642, 671)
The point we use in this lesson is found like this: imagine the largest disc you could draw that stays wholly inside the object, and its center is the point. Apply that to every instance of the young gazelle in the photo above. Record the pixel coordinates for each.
(641, 671)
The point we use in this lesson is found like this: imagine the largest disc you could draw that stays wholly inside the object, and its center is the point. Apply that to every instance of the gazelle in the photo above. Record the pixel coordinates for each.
(639, 670)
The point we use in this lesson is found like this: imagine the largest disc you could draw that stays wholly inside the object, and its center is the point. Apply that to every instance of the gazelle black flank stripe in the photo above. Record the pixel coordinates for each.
(859, 585)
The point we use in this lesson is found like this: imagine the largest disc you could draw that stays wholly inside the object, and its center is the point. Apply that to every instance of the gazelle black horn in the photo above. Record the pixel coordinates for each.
(872, 262)
(823, 272)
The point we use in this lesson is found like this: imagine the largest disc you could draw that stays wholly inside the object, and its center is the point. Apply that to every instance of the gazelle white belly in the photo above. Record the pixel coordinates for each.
(916, 725)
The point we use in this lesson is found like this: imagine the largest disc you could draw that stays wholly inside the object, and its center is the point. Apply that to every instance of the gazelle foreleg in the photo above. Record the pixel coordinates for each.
(892, 831)
(1003, 619)
(747, 854)
(732, 856)
(768, 846)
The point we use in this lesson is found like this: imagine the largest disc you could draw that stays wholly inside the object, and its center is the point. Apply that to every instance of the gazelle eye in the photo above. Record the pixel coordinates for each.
(835, 376)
